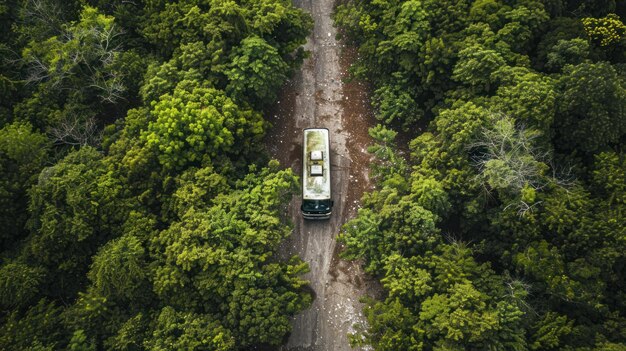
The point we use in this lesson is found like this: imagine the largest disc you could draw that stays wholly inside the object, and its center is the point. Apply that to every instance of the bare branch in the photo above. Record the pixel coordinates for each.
(505, 154)
(75, 131)
(112, 88)
(85, 53)
(45, 13)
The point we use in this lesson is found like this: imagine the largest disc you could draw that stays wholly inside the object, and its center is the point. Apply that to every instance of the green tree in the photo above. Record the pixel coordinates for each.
(188, 331)
(406, 280)
(197, 64)
(119, 268)
(391, 327)
(217, 259)
(476, 68)
(459, 316)
(430, 194)
(131, 335)
(567, 52)
(590, 120)
(255, 72)
(548, 331)
(260, 309)
(390, 163)
(79, 342)
(490, 12)
(95, 316)
(197, 188)
(282, 25)
(609, 178)
(396, 105)
(548, 266)
(40, 327)
(74, 208)
(198, 126)
(557, 29)
(594, 8)
(606, 31)
(528, 97)
(22, 156)
(19, 284)
(402, 226)
(168, 24)
(444, 300)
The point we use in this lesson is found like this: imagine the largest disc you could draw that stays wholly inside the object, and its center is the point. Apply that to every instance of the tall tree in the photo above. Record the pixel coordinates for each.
(23, 153)
(74, 208)
(590, 120)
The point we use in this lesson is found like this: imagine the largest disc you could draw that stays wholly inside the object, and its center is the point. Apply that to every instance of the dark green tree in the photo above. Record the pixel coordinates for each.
(74, 208)
(19, 284)
(590, 120)
(40, 327)
(23, 153)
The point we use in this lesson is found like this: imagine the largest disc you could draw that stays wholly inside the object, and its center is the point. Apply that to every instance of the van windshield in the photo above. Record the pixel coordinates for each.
(316, 205)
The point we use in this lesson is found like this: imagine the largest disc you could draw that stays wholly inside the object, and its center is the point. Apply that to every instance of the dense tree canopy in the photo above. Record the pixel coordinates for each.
(138, 214)
(139, 211)
(504, 230)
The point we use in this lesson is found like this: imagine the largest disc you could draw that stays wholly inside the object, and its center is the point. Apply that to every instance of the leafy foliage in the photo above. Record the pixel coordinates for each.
(255, 71)
(22, 156)
(38, 328)
(591, 120)
(607, 31)
(139, 209)
(19, 283)
(74, 208)
(118, 269)
(203, 123)
(503, 229)
(188, 331)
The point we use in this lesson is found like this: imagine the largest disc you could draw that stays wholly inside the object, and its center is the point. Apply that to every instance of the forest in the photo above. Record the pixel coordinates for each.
(137, 211)
(498, 221)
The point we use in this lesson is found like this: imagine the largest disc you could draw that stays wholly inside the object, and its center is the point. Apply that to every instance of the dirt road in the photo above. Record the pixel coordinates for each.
(317, 97)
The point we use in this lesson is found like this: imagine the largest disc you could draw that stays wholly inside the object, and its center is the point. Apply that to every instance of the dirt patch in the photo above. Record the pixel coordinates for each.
(358, 117)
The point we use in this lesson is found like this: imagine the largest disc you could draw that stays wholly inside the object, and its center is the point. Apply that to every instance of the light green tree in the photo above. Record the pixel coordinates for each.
(255, 72)
(195, 127)
(606, 31)
(188, 331)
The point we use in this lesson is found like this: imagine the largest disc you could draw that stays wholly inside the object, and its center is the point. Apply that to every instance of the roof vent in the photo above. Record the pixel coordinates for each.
(316, 170)
(317, 156)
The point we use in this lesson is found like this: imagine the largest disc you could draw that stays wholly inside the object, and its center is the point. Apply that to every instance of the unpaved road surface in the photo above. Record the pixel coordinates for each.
(317, 97)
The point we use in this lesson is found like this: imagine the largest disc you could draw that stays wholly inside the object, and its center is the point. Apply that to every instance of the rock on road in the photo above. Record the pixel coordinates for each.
(317, 97)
